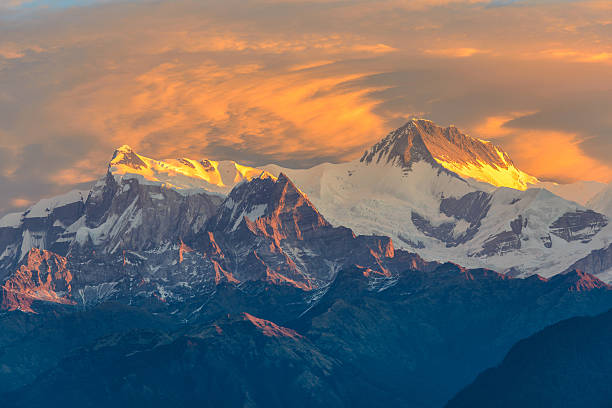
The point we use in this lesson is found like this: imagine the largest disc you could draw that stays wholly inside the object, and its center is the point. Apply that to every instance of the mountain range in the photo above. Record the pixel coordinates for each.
(401, 275)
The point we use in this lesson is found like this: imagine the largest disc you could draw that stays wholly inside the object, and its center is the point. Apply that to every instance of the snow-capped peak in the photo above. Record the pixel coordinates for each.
(182, 173)
(423, 140)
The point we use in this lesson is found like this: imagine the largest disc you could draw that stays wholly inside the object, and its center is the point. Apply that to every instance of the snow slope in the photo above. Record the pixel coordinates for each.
(396, 189)
(602, 201)
(181, 174)
(422, 185)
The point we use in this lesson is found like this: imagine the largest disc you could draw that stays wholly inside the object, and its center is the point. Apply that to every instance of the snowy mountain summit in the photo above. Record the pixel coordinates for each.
(430, 189)
(180, 174)
(449, 196)
(423, 140)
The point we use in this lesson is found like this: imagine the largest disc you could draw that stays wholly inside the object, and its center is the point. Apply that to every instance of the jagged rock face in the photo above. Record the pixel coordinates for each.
(402, 147)
(128, 214)
(501, 244)
(268, 229)
(578, 225)
(422, 140)
(40, 226)
(506, 241)
(125, 156)
(278, 202)
(10, 244)
(44, 277)
(471, 208)
(579, 281)
(118, 214)
(398, 191)
(123, 241)
(598, 261)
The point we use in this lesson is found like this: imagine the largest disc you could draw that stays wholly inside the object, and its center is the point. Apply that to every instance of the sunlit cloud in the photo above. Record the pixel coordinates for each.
(580, 56)
(493, 126)
(461, 52)
(20, 202)
(310, 65)
(11, 51)
(556, 156)
(278, 114)
(552, 155)
(246, 80)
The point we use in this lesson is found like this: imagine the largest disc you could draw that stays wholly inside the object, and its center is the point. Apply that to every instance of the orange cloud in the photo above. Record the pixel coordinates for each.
(310, 65)
(556, 156)
(20, 202)
(292, 113)
(461, 52)
(185, 78)
(578, 56)
(549, 155)
(11, 50)
(493, 126)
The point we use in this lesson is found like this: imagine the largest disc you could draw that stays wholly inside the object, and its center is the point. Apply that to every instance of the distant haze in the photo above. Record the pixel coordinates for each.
(296, 82)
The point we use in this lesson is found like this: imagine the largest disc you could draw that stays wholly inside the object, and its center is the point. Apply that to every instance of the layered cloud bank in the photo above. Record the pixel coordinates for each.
(296, 83)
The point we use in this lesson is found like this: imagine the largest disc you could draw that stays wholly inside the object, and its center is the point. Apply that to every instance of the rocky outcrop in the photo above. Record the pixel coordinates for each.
(598, 261)
(402, 147)
(471, 208)
(43, 277)
(579, 281)
(505, 241)
(443, 232)
(41, 226)
(578, 225)
(501, 244)
(268, 229)
(132, 215)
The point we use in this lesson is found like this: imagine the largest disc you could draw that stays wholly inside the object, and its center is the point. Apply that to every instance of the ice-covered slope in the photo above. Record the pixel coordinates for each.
(398, 189)
(402, 187)
(140, 203)
(581, 192)
(468, 157)
(181, 174)
(40, 226)
(602, 201)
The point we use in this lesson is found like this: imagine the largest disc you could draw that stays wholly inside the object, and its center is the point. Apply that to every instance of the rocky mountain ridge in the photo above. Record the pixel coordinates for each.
(261, 284)
(399, 189)
(448, 148)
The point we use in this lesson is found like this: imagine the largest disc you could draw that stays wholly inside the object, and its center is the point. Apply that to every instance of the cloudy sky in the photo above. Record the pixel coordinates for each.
(296, 82)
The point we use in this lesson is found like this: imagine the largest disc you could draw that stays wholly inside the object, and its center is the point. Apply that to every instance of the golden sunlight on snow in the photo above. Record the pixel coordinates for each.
(183, 173)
